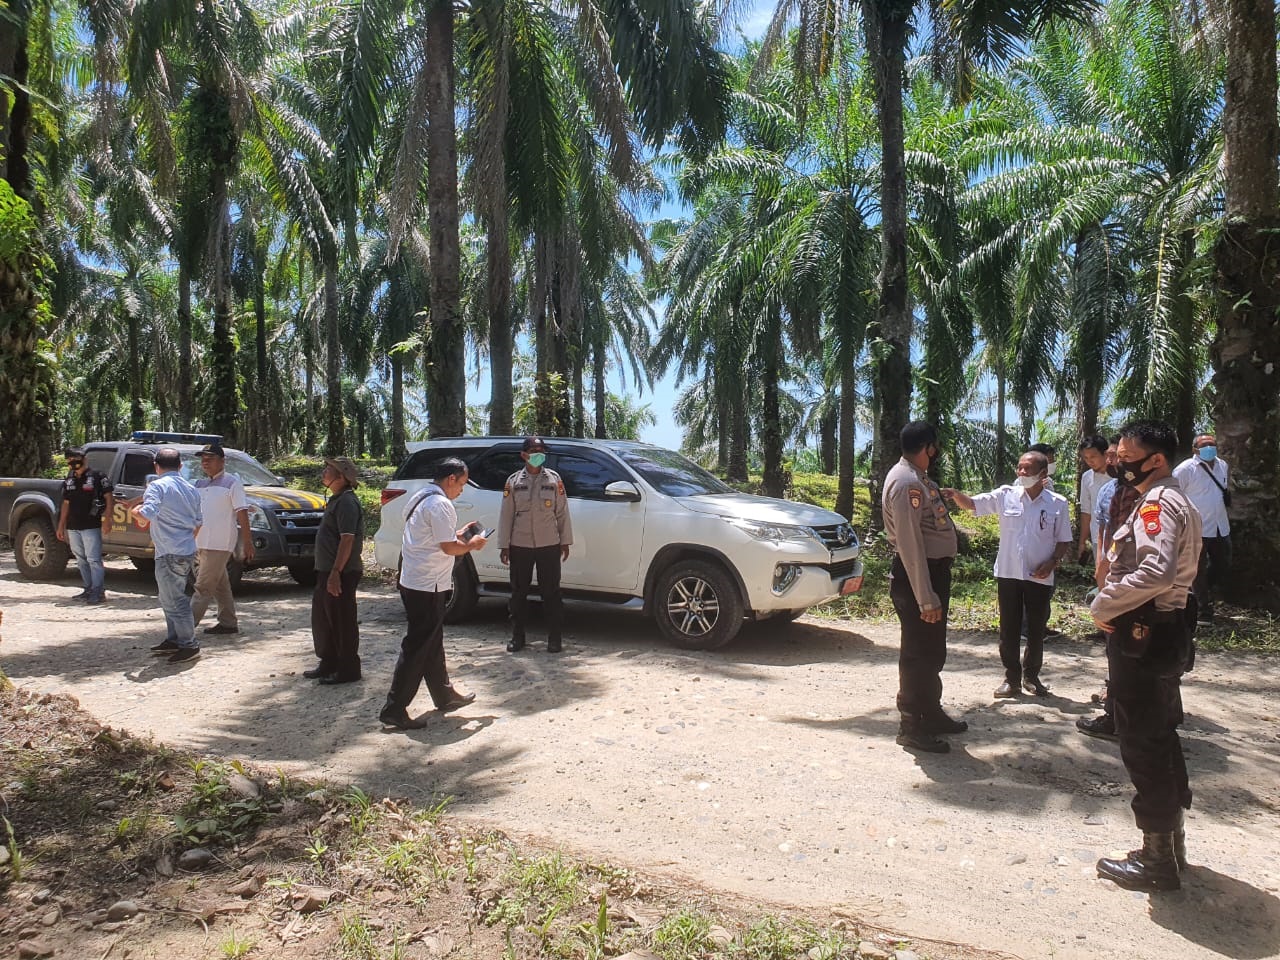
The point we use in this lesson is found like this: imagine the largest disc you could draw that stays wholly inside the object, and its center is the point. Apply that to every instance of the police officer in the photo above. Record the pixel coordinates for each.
(923, 538)
(1142, 607)
(534, 531)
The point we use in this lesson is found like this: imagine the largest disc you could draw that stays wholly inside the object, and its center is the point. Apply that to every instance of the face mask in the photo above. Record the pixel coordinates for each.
(1208, 454)
(537, 459)
(1026, 483)
(1131, 472)
(1052, 469)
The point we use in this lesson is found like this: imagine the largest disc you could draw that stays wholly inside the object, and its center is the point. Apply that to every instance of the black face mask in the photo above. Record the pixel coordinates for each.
(1113, 471)
(1131, 472)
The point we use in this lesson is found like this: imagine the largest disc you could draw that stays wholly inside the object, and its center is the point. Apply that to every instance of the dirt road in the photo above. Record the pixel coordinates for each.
(767, 769)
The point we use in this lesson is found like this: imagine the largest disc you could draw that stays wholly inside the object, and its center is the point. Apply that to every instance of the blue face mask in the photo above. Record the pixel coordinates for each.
(1208, 454)
(537, 459)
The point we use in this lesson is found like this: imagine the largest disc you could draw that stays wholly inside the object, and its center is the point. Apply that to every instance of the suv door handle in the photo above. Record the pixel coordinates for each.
(463, 505)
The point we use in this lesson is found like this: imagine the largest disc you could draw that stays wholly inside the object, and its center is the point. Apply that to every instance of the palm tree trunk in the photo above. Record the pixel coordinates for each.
(1189, 375)
(259, 421)
(887, 34)
(225, 414)
(579, 406)
(848, 414)
(828, 442)
(722, 432)
(1246, 352)
(133, 324)
(501, 330)
(15, 66)
(309, 363)
(398, 435)
(186, 409)
(598, 359)
(1001, 392)
(335, 441)
(739, 433)
(771, 420)
(445, 362)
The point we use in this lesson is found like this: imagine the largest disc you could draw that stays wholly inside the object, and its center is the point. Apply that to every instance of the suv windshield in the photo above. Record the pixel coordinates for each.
(250, 472)
(671, 473)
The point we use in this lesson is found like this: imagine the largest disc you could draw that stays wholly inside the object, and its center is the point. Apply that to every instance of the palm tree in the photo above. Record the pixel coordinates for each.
(961, 35)
(206, 54)
(1246, 352)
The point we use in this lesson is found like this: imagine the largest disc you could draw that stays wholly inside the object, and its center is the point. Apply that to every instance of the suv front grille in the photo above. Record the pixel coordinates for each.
(837, 537)
(840, 570)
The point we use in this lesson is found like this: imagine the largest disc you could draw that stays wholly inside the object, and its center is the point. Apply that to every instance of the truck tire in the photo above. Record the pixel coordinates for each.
(38, 553)
(235, 572)
(144, 564)
(304, 574)
(697, 605)
(466, 593)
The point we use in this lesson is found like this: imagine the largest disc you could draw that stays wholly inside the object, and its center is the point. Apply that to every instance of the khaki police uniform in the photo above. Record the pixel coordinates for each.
(923, 537)
(533, 526)
(1154, 554)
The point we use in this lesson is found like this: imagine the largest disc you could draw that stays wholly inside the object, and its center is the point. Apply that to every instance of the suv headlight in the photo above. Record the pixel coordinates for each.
(258, 519)
(771, 532)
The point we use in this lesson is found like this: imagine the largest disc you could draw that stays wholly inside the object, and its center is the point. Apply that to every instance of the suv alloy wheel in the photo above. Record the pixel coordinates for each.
(697, 605)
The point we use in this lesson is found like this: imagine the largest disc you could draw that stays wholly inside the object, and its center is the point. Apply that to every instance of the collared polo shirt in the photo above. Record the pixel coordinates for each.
(1030, 530)
(1204, 494)
(173, 508)
(430, 520)
(221, 497)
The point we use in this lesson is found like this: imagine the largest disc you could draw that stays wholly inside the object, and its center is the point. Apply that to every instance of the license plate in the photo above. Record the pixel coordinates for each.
(852, 585)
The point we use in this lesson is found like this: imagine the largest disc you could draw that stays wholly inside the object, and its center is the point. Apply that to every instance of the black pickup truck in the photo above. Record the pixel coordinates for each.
(283, 522)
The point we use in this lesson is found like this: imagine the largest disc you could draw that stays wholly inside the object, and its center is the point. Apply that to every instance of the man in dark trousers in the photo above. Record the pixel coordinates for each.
(334, 629)
(534, 532)
(1142, 607)
(923, 538)
(428, 547)
(88, 497)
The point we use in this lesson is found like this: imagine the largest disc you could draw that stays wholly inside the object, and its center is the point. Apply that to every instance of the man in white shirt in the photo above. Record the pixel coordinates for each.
(226, 518)
(1204, 478)
(1093, 452)
(427, 551)
(1035, 534)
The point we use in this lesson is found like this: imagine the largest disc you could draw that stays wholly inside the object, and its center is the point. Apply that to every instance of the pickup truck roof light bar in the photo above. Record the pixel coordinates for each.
(152, 436)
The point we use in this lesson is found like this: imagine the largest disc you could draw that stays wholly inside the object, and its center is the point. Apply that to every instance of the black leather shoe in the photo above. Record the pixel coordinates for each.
(331, 679)
(164, 646)
(1151, 868)
(456, 701)
(941, 723)
(925, 742)
(1034, 687)
(219, 629)
(183, 654)
(315, 673)
(514, 646)
(1102, 726)
(554, 646)
(1006, 691)
(401, 721)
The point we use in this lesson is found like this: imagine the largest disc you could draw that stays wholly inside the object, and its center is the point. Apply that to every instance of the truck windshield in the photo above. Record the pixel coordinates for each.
(671, 473)
(250, 472)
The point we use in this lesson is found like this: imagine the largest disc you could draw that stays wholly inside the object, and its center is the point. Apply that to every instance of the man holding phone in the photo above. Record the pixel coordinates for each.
(428, 548)
(534, 531)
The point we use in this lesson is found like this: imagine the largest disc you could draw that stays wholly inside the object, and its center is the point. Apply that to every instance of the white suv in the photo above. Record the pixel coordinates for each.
(650, 525)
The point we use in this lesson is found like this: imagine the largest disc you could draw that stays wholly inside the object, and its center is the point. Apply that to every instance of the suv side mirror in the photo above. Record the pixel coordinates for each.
(281, 481)
(623, 490)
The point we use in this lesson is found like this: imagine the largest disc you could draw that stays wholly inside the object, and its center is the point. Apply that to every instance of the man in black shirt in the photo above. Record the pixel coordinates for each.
(334, 628)
(87, 501)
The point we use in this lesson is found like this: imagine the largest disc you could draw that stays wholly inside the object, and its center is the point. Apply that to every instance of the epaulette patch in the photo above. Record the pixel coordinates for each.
(1150, 514)
(560, 487)
(506, 490)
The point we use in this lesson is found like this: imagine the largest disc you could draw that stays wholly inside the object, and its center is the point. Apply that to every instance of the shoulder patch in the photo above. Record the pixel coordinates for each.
(560, 487)
(1150, 515)
(916, 496)
(506, 489)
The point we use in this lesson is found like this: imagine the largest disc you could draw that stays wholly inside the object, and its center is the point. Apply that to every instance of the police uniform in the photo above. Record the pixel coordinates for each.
(923, 537)
(1154, 554)
(533, 526)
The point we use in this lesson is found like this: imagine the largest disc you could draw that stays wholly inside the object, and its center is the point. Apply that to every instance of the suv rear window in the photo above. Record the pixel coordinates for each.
(491, 471)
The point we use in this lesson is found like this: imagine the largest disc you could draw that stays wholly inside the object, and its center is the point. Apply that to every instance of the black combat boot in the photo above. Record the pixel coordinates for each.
(913, 735)
(1151, 868)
